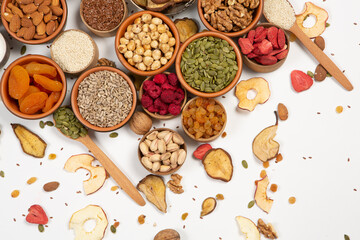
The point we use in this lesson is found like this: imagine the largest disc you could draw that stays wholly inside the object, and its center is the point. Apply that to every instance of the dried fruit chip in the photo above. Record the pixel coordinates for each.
(200, 152)
(301, 81)
(31, 143)
(37, 215)
(154, 189)
(248, 228)
(261, 197)
(208, 206)
(218, 164)
(321, 16)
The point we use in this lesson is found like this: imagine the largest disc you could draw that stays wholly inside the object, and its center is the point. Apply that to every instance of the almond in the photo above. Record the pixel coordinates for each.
(320, 73)
(57, 11)
(8, 10)
(37, 17)
(53, 17)
(15, 10)
(38, 2)
(282, 111)
(55, 2)
(29, 8)
(50, 28)
(41, 28)
(47, 2)
(26, 22)
(51, 186)
(24, 1)
(44, 9)
(14, 23)
(21, 32)
(29, 33)
(7, 16)
(36, 36)
(56, 24)
(47, 17)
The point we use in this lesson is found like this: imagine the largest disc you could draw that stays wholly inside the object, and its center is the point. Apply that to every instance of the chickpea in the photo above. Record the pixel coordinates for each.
(129, 54)
(148, 68)
(154, 44)
(154, 35)
(161, 28)
(137, 21)
(169, 34)
(148, 53)
(164, 47)
(129, 35)
(146, 28)
(131, 45)
(128, 29)
(137, 58)
(163, 61)
(142, 35)
(131, 62)
(168, 55)
(156, 65)
(172, 42)
(136, 28)
(166, 27)
(146, 40)
(171, 49)
(122, 49)
(137, 43)
(156, 21)
(146, 18)
(152, 27)
(156, 54)
(124, 41)
(141, 66)
(148, 61)
(164, 38)
(139, 50)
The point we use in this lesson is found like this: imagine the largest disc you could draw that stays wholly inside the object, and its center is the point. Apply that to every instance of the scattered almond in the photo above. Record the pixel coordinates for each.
(51, 186)
(282, 111)
(320, 42)
(320, 73)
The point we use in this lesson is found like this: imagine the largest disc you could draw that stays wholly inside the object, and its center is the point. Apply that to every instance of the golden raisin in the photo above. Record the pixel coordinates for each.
(279, 158)
(292, 200)
(223, 134)
(31, 180)
(219, 196)
(262, 173)
(141, 219)
(116, 224)
(339, 109)
(52, 156)
(114, 188)
(15, 193)
(273, 187)
(266, 164)
(184, 216)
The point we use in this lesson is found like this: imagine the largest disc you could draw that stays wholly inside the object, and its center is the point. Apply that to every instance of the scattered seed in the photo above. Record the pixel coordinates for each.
(31, 180)
(114, 135)
(23, 50)
(327, 25)
(244, 164)
(41, 228)
(251, 204)
(52, 156)
(41, 124)
(339, 109)
(114, 188)
(266, 164)
(346, 237)
(113, 229)
(292, 200)
(219, 196)
(184, 216)
(2, 174)
(49, 123)
(273, 187)
(141, 219)
(328, 75)
(310, 73)
(15, 193)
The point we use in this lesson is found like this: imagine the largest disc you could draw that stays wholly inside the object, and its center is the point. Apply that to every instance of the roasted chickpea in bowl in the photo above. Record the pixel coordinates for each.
(147, 43)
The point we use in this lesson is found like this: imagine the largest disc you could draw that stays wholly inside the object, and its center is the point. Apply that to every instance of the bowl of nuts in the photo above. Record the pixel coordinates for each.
(162, 151)
(230, 17)
(147, 43)
(32, 22)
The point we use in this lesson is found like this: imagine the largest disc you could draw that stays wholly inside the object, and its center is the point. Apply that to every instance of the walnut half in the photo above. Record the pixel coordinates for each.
(267, 229)
(174, 185)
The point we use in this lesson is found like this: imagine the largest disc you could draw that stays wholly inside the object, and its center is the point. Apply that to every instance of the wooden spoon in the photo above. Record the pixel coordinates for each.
(111, 168)
(323, 59)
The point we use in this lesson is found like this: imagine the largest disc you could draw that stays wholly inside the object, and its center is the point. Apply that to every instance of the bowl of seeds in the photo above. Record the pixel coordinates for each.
(209, 64)
(103, 98)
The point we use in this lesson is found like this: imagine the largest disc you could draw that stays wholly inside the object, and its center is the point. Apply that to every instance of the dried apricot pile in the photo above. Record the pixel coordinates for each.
(35, 86)
(204, 118)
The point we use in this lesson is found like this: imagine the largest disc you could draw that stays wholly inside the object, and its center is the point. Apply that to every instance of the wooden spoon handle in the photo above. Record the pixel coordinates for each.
(113, 170)
(323, 59)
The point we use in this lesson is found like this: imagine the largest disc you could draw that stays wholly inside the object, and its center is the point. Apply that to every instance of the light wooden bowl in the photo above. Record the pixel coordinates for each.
(257, 67)
(202, 139)
(140, 155)
(155, 115)
(94, 59)
(104, 33)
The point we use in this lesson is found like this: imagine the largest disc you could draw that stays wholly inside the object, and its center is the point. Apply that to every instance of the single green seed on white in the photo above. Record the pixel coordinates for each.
(41, 228)
(244, 164)
(2, 174)
(113, 229)
(251, 204)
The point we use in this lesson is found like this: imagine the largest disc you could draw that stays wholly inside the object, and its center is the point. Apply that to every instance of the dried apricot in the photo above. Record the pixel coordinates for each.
(43, 69)
(51, 100)
(19, 82)
(33, 103)
(32, 89)
(47, 83)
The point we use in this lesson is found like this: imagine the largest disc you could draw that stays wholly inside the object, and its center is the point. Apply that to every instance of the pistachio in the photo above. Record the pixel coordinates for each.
(165, 156)
(156, 166)
(178, 139)
(174, 157)
(168, 138)
(152, 136)
(154, 145)
(167, 162)
(147, 163)
(148, 142)
(164, 168)
(162, 134)
(172, 147)
(144, 148)
(161, 146)
(181, 157)
(155, 158)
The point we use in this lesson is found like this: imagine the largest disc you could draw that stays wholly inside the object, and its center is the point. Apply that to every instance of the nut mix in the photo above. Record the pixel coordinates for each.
(162, 151)
(148, 44)
(33, 19)
(163, 95)
(204, 118)
(209, 64)
(229, 15)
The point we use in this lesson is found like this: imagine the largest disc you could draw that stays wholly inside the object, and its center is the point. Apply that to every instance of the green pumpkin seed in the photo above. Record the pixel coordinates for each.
(23, 50)
(244, 164)
(251, 204)
(49, 123)
(113, 229)
(2, 174)
(41, 228)
(41, 124)
(113, 135)
(346, 237)
(310, 73)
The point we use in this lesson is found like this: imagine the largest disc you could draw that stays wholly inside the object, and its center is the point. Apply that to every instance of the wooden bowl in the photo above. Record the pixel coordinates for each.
(12, 104)
(202, 139)
(256, 17)
(36, 41)
(173, 10)
(103, 33)
(140, 155)
(257, 67)
(155, 115)
(74, 95)
(94, 59)
(130, 20)
(193, 90)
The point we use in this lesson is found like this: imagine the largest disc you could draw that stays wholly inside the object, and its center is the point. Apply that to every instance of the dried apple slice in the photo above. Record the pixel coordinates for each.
(31, 143)
(321, 18)
(218, 164)
(260, 85)
(208, 206)
(97, 174)
(155, 191)
(248, 228)
(261, 198)
(264, 146)
(79, 218)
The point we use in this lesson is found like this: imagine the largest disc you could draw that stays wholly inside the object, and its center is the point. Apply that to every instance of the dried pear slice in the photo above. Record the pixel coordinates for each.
(218, 164)
(154, 189)
(264, 146)
(208, 206)
(30, 143)
(261, 198)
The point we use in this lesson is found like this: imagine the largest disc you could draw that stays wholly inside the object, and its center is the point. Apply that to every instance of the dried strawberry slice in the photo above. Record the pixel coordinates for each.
(301, 81)
(37, 215)
(200, 152)
(245, 45)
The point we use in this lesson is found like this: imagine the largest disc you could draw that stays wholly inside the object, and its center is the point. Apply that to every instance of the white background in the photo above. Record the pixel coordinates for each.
(327, 206)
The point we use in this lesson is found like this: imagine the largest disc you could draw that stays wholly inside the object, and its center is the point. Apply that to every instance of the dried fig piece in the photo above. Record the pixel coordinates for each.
(264, 146)
(155, 191)
(187, 27)
(31, 143)
(218, 164)
(167, 234)
(208, 206)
